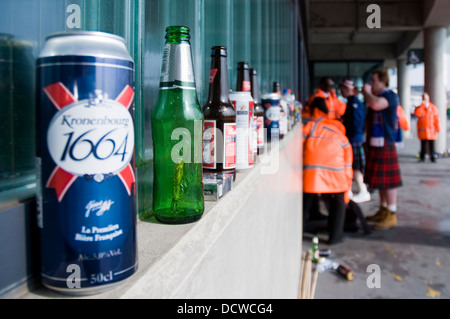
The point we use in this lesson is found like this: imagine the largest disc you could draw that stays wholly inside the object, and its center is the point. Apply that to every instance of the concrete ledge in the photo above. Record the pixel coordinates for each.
(247, 245)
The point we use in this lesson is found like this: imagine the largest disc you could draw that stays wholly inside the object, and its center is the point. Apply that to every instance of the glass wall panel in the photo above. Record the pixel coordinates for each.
(218, 23)
(241, 36)
(256, 37)
(266, 57)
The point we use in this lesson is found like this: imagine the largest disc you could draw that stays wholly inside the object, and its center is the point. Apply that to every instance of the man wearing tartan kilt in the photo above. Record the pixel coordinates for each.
(382, 168)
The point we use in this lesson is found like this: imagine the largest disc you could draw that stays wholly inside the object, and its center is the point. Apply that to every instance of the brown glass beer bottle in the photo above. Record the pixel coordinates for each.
(219, 131)
(258, 110)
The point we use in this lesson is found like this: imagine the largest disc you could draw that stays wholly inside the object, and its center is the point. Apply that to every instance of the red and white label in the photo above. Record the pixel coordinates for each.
(246, 86)
(229, 145)
(255, 136)
(251, 133)
(244, 106)
(260, 131)
(209, 144)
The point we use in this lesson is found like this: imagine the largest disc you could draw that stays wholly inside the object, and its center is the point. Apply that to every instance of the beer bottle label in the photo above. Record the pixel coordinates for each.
(246, 86)
(229, 137)
(255, 135)
(177, 68)
(251, 134)
(209, 144)
(260, 131)
(242, 130)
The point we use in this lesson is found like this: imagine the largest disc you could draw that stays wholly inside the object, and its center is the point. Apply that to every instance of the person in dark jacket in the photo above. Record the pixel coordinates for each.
(354, 120)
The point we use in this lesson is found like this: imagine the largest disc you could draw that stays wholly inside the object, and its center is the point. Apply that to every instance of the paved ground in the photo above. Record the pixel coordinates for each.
(414, 257)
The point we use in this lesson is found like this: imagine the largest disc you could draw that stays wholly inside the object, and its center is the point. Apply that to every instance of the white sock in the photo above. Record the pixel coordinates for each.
(392, 208)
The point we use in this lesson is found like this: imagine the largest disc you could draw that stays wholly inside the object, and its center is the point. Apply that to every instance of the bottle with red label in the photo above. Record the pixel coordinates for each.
(243, 84)
(219, 132)
(258, 111)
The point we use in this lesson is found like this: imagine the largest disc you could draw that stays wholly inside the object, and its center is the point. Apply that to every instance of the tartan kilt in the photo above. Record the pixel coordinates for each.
(359, 159)
(382, 167)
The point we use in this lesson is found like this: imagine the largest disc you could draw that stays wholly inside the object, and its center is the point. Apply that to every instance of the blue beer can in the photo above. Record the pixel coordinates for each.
(85, 162)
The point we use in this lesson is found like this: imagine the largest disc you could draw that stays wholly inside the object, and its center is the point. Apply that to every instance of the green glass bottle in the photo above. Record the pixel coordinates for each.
(315, 249)
(177, 126)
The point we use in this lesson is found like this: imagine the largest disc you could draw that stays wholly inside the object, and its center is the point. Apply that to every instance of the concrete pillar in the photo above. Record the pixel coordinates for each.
(404, 90)
(434, 49)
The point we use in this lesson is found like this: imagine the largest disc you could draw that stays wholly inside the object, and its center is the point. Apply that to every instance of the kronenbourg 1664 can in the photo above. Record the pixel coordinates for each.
(272, 115)
(85, 162)
(243, 104)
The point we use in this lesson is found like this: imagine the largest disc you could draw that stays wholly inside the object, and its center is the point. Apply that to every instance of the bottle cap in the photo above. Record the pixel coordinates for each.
(219, 51)
(242, 65)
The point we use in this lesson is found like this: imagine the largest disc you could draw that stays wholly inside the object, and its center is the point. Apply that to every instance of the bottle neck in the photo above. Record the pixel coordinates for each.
(177, 34)
(276, 88)
(218, 80)
(176, 39)
(254, 88)
(177, 69)
(243, 80)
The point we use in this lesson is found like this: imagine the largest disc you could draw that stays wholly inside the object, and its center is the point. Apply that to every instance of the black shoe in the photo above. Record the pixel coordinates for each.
(352, 228)
(334, 241)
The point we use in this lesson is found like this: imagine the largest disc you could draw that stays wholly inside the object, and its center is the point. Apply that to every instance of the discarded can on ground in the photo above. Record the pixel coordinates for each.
(324, 252)
(85, 162)
(345, 272)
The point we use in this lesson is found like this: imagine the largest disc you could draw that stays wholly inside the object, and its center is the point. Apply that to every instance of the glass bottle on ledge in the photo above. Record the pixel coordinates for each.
(177, 123)
(219, 132)
(259, 111)
(243, 84)
(283, 115)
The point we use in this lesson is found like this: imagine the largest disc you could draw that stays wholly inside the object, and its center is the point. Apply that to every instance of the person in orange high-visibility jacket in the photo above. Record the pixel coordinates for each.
(306, 112)
(402, 119)
(402, 124)
(327, 170)
(428, 126)
(338, 106)
(326, 91)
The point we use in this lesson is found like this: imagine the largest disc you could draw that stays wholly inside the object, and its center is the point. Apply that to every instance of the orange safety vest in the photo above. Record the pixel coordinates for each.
(427, 122)
(336, 108)
(327, 156)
